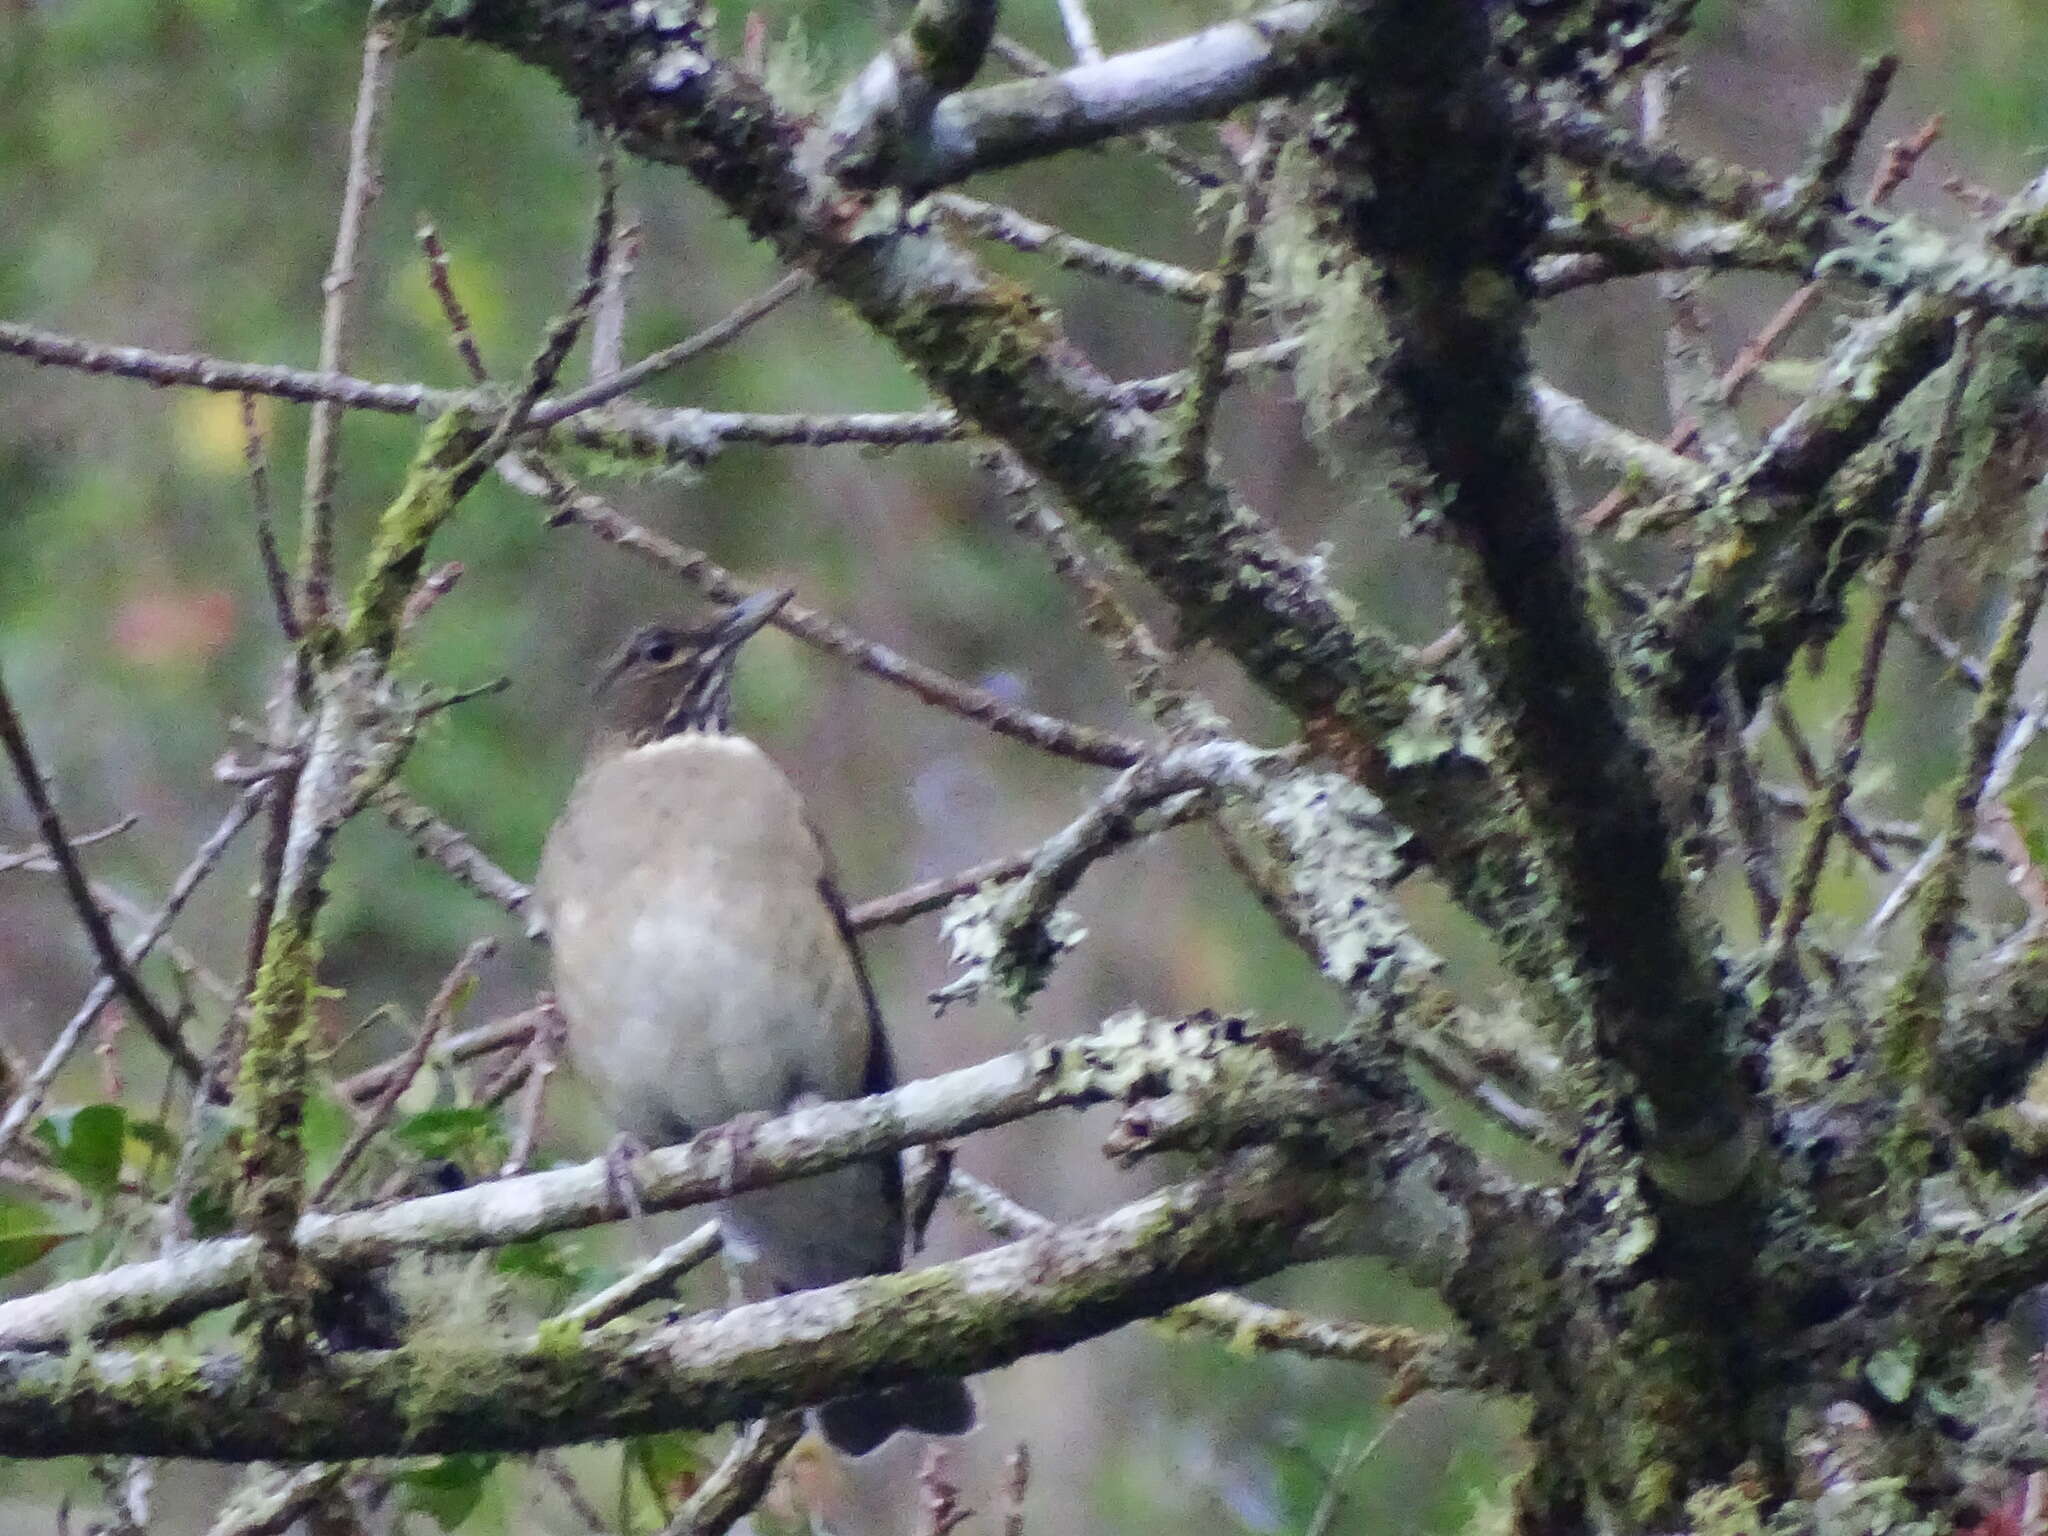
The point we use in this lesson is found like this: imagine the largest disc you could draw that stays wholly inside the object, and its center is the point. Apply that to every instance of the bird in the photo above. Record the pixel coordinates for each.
(705, 969)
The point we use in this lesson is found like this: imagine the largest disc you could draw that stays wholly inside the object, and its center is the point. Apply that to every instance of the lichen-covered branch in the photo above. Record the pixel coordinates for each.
(1045, 1292)
(1436, 203)
(1253, 1084)
(1191, 78)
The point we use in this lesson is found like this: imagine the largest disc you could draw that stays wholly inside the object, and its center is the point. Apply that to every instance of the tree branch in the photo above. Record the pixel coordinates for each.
(1270, 1082)
(1044, 1292)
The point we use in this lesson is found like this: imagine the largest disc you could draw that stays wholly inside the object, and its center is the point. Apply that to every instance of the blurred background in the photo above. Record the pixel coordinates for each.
(169, 171)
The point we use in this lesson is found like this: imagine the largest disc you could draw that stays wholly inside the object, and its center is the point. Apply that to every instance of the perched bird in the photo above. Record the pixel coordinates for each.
(704, 964)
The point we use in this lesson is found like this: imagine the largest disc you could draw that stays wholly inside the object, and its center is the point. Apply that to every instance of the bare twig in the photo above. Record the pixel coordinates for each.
(1854, 830)
(1844, 135)
(1749, 817)
(1144, 661)
(117, 971)
(543, 1056)
(1023, 233)
(1904, 549)
(654, 1279)
(2003, 767)
(1219, 316)
(1238, 1318)
(562, 334)
(359, 193)
(1918, 623)
(678, 436)
(941, 1510)
(461, 331)
(275, 577)
(738, 1483)
(1914, 1016)
(39, 857)
(1014, 943)
(513, 1033)
(1060, 737)
(1080, 30)
(448, 998)
(1900, 158)
(930, 895)
(625, 380)
(448, 846)
(608, 315)
(30, 1097)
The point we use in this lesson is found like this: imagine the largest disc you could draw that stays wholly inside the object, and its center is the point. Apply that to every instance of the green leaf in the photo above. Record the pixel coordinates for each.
(154, 1136)
(669, 1463)
(552, 1264)
(324, 1130)
(449, 1490)
(87, 1143)
(452, 1132)
(1891, 1371)
(2033, 826)
(27, 1232)
(210, 1212)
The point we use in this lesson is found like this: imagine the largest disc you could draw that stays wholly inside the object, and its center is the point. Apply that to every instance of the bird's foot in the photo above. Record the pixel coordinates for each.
(622, 1183)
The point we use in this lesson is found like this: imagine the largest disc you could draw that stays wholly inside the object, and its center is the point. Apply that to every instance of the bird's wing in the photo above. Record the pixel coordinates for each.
(880, 1075)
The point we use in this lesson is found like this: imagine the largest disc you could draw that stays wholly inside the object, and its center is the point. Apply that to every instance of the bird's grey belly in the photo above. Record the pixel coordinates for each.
(697, 1023)
(708, 1011)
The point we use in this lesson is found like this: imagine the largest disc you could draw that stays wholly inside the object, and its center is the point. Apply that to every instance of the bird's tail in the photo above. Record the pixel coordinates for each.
(933, 1405)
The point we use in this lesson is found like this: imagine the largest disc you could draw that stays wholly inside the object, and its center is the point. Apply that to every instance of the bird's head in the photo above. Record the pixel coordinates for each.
(667, 679)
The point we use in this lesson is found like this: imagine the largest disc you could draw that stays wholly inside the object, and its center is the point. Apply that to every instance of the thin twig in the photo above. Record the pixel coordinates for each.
(448, 846)
(116, 970)
(572, 1493)
(40, 858)
(30, 1097)
(1080, 30)
(1854, 828)
(608, 315)
(1023, 233)
(626, 380)
(359, 192)
(1921, 626)
(1238, 1318)
(1145, 662)
(1904, 549)
(275, 577)
(1060, 737)
(1844, 135)
(738, 1483)
(678, 436)
(447, 998)
(1016, 1484)
(1900, 158)
(1219, 316)
(1916, 1010)
(512, 1033)
(1749, 817)
(543, 1056)
(2003, 767)
(563, 332)
(930, 895)
(654, 1279)
(461, 332)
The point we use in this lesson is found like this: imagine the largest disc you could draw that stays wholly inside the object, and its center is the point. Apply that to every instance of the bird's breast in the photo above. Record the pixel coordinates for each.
(700, 970)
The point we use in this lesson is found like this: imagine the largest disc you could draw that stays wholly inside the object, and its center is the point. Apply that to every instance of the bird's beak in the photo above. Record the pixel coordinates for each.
(745, 619)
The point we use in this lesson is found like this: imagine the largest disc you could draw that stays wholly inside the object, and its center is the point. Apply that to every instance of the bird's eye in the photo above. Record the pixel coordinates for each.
(658, 650)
